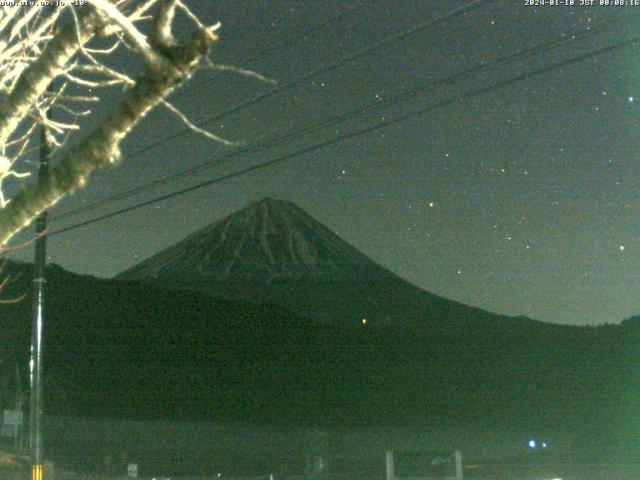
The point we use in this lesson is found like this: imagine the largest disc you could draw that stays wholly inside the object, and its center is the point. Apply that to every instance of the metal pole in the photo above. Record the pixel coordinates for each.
(391, 474)
(35, 434)
(459, 466)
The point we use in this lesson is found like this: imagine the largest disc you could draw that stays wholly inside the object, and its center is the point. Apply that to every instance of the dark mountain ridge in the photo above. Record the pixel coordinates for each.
(273, 251)
(132, 350)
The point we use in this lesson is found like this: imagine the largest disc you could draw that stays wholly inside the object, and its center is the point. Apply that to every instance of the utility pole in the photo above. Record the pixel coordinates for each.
(39, 280)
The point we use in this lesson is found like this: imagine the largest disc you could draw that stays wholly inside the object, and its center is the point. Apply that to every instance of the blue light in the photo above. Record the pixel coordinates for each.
(532, 443)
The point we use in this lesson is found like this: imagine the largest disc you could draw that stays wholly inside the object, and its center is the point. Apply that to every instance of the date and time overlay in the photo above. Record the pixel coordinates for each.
(581, 3)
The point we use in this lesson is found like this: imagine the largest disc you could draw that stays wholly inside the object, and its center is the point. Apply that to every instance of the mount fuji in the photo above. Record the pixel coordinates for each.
(273, 251)
(261, 355)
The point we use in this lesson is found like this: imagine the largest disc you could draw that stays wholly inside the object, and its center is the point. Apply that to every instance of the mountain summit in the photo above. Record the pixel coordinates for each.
(267, 240)
(273, 251)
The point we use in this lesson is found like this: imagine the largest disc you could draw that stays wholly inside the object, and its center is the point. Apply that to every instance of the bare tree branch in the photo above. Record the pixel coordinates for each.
(201, 131)
(240, 71)
(34, 80)
(164, 20)
(102, 147)
(139, 41)
(37, 47)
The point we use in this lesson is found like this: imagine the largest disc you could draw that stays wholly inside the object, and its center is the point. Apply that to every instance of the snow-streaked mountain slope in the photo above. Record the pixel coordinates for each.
(274, 251)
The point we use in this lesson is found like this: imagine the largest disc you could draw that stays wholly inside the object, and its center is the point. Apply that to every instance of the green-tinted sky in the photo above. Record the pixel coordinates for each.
(523, 200)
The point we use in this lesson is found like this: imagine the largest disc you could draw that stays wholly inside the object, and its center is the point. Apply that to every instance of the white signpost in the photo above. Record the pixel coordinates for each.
(13, 417)
(11, 422)
(132, 470)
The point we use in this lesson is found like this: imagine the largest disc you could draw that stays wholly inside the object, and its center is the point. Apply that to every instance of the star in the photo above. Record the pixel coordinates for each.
(631, 99)
(622, 248)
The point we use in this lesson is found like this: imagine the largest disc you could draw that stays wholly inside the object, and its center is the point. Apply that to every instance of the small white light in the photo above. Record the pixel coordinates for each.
(532, 443)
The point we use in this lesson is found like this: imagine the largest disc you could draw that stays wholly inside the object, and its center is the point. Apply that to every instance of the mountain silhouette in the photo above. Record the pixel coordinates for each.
(134, 348)
(273, 251)
(131, 349)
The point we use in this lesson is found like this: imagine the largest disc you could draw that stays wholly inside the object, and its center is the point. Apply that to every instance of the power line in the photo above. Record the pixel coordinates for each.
(314, 73)
(357, 133)
(388, 101)
(286, 43)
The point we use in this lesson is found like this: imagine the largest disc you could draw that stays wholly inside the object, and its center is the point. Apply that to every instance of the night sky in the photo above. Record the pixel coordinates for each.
(523, 200)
